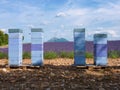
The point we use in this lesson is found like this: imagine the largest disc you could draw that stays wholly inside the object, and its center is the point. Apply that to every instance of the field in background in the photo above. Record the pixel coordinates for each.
(70, 55)
(66, 46)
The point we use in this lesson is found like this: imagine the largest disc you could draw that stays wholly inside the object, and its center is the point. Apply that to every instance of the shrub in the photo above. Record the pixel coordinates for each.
(26, 55)
(70, 55)
(114, 54)
(3, 55)
(89, 55)
(50, 55)
(63, 54)
(66, 55)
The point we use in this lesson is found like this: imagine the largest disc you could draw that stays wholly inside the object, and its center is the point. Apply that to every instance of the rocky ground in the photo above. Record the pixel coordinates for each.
(58, 74)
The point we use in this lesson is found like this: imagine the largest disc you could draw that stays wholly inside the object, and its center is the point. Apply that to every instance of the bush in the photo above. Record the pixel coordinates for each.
(3, 38)
(3, 55)
(50, 55)
(63, 54)
(70, 55)
(66, 55)
(89, 55)
(114, 54)
(26, 55)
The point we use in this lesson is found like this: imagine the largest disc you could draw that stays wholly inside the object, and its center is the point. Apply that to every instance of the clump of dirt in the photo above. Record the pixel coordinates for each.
(59, 74)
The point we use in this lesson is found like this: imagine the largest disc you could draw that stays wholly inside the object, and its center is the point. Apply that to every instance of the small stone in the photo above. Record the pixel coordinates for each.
(101, 88)
(4, 70)
(62, 85)
(52, 74)
(47, 88)
(33, 85)
(44, 84)
(24, 77)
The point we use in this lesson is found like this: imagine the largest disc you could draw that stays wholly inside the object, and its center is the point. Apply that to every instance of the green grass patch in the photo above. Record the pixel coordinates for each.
(114, 54)
(50, 55)
(3, 55)
(26, 55)
(66, 55)
(53, 55)
(89, 55)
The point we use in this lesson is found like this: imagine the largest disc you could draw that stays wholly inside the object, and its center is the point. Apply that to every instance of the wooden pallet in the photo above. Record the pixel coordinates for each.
(91, 67)
(27, 66)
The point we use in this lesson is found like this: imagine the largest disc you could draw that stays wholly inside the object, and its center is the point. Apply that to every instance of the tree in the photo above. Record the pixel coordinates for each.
(3, 38)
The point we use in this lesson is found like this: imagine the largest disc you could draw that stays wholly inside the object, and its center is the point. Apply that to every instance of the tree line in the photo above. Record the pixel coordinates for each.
(3, 38)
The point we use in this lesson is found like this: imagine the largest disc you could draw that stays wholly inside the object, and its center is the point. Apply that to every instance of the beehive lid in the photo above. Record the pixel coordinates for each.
(101, 35)
(15, 31)
(36, 30)
(79, 30)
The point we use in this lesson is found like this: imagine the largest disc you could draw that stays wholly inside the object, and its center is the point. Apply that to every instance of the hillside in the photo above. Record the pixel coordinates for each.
(54, 39)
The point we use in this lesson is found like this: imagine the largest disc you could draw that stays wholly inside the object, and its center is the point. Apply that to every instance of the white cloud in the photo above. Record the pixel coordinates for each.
(112, 34)
(61, 14)
(72, 16)
(77, 12)
(3, 30)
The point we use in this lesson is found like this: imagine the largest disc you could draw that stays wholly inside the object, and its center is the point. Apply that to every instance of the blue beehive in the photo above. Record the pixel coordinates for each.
(79, 46)
(100, 49)
(37, 46)
(15, 47)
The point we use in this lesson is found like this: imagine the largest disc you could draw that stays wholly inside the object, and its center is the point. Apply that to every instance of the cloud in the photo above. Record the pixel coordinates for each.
(65, 17)
(112, 34)
(77, 12)
(61, 14)
(4, 30)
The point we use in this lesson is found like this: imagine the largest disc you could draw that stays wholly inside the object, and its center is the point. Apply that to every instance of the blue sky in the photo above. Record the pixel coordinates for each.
(58, 18)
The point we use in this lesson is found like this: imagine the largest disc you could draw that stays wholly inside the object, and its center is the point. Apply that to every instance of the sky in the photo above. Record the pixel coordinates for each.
(58, 18)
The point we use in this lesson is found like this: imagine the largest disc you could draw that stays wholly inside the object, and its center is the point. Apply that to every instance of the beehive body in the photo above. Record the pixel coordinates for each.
(100, 49)
(15, 47)
(79, 46)
(37, 46)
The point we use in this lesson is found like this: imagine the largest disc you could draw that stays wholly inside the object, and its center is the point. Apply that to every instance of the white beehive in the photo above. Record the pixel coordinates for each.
(37, 46)
(15, 47)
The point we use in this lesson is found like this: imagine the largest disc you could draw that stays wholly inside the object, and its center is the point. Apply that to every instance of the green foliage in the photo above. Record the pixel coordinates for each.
(3, 55)
(26, 55)
(66, 55)
(63, 54)
(3, 38)
(89, 55)
(70, 55)
(53, 55)
(6, 39)
(50, 55)
(114, 54)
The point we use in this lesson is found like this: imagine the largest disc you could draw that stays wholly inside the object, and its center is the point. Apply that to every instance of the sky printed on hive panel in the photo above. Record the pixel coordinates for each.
(58, 18)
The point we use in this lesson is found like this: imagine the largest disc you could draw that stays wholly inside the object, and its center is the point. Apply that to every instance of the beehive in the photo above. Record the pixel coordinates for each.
(100, 49)
(15, 47)
(37, 46)
(79, 46)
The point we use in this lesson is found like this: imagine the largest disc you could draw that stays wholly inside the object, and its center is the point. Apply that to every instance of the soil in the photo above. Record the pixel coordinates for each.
(58, 74)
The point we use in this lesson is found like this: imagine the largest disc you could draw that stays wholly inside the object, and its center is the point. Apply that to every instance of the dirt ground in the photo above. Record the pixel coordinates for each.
(58, 74)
